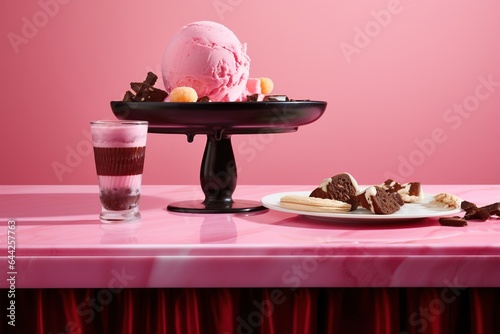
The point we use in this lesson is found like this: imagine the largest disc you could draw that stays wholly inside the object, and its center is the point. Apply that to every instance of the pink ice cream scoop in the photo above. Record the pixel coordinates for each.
(208, 57)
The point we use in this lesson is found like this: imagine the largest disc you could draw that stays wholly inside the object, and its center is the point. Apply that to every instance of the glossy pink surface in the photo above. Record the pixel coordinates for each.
(425, 71)
(61, 243)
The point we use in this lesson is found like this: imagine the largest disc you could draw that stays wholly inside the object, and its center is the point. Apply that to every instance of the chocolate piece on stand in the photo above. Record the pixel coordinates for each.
(151, 79)
(145, 92)
(128, 97)
(204, 99)
(136, 86)
(276, 98)
(150, 94)
(253, 98)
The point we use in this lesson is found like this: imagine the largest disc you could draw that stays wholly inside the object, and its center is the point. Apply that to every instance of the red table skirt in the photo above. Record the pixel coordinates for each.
(254, 310)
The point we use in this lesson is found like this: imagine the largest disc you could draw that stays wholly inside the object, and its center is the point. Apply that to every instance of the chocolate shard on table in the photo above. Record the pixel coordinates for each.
(477, 213)
(452, 221)
(493, 209)
(466, 205)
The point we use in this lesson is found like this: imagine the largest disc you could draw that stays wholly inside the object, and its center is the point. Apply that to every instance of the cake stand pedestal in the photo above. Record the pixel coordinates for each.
(219, 121)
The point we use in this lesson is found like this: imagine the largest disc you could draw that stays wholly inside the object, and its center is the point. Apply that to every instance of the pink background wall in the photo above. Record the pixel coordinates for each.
(413, 87)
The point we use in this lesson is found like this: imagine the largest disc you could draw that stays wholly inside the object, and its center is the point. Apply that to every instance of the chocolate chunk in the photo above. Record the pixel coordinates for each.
(129, 97)
(136, 86)
(472, 212)
(204, 99)
(467, 205)
(482, 214)
(151, 79)
(145, 92)
(148, 82)
(276, 98)
(150, 94)
(477, 213)
(253, 98)
(452, 221)
(493, 209)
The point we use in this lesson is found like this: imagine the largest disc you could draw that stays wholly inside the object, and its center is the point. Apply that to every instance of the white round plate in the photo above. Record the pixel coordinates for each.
(409, 211)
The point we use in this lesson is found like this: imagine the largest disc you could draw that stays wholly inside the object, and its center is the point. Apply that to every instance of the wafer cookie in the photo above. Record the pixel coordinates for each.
(314, 204)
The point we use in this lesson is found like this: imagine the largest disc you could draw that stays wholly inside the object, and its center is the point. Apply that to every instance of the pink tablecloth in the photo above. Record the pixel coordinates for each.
(269, 272)
(61, 243)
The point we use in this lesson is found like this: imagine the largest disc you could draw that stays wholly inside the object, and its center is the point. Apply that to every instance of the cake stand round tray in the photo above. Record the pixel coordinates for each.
(219, 121)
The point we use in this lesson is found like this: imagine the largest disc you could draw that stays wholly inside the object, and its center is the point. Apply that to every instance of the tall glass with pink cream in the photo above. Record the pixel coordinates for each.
(119, 151)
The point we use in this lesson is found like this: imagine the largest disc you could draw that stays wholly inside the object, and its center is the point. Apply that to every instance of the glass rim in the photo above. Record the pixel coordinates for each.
(118, 122)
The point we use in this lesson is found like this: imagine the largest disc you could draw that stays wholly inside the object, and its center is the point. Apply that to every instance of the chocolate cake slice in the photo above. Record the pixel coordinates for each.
(341, 187)
(379, 201)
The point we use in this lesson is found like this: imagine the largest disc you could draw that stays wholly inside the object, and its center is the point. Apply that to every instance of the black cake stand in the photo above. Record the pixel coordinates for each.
(219, 121)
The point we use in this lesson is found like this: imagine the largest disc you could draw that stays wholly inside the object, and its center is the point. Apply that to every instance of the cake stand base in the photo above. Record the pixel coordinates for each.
(218, 181)
(235, 206)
